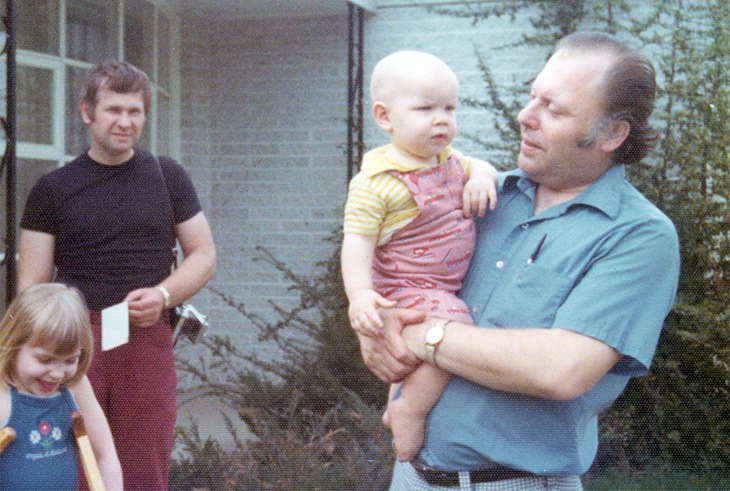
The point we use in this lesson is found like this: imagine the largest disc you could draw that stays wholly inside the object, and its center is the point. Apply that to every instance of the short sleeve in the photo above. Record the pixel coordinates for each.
(184, 198)
(625, 295)
(365, 209)
(39, 212)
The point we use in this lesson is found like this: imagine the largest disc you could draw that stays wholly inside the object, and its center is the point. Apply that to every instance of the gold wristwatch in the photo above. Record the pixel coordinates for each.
(434, 336)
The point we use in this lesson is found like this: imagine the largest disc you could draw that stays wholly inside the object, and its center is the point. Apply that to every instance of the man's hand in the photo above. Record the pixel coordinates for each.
(145, 306)
(386, 354)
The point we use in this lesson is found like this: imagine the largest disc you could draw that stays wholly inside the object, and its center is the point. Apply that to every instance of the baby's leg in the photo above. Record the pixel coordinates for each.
(406, 414)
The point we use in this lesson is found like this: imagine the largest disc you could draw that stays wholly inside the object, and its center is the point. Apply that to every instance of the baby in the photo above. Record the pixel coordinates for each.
(408, 231)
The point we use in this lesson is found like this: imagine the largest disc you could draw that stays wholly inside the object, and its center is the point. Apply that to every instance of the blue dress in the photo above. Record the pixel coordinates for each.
(43, 455)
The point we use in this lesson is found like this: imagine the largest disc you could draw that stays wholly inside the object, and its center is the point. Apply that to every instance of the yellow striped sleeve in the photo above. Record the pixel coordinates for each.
(378, 205)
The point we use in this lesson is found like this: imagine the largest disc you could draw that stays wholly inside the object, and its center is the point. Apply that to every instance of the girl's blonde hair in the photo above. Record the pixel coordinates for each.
(52, 316)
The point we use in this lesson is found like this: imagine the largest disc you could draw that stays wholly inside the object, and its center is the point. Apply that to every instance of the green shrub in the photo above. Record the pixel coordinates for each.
(314, 411)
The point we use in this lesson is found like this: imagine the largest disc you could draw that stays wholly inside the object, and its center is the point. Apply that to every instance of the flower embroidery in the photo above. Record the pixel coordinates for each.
(44, 427)
(35, 437)
(45, 434)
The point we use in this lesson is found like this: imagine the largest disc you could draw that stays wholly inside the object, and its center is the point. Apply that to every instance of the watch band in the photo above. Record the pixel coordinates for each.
(166, 295)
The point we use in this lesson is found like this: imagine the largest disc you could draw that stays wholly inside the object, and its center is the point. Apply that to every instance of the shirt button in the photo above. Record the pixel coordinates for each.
(525, 226)
(500, 264)
(475, 309)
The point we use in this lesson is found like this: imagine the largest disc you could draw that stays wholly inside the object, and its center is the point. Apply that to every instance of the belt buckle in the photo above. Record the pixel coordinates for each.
(435, 476)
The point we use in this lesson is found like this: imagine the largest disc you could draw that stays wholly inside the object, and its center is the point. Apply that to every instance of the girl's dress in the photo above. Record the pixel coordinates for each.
(43, 455)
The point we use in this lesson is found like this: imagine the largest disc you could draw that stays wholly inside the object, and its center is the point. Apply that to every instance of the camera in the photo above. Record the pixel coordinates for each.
(187, 321)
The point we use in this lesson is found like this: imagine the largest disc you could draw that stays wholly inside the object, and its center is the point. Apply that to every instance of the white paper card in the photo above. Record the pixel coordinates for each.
(114, 326)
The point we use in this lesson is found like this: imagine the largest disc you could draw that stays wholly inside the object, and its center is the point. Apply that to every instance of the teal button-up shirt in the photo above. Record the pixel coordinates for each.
(605, 264)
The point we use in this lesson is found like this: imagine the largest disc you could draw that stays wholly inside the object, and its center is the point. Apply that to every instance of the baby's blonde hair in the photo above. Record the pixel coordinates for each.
(388, 73)
(52, 316)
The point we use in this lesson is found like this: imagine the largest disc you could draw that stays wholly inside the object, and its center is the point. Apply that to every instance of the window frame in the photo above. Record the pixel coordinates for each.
(56, 151)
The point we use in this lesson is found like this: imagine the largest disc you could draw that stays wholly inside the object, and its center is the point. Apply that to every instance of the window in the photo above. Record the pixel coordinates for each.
(91, 30)
(57, 42)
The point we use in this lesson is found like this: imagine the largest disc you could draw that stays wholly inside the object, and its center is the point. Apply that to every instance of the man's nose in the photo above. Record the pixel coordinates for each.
(124, 119)
(526, 117)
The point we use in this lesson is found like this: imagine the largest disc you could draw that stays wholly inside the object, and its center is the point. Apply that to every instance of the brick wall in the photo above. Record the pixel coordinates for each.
(265, 136)
(264, 107)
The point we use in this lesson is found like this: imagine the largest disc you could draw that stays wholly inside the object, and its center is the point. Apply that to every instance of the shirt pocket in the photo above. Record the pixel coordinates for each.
(531, 299)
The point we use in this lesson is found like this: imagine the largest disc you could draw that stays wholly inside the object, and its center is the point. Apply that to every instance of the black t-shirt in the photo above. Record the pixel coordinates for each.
(113, 225)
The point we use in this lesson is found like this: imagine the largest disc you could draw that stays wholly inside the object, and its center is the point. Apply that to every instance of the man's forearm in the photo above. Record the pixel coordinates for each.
(548, 363)
(191, 275)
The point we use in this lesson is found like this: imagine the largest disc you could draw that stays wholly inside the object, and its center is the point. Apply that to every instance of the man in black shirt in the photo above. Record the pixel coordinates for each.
(106, 224)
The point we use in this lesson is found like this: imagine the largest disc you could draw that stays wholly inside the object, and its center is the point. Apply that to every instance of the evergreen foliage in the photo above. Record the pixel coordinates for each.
(678, 414)
(314, 411)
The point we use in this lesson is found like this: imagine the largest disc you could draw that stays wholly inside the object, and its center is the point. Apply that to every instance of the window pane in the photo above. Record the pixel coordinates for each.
(164, 52)
(164, 128)
(91, 30)
(139, 35)
(76, 138)
(35, 105)
(37, 25)
(27, 173)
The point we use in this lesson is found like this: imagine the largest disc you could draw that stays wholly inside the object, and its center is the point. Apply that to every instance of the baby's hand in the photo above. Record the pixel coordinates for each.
(480, 190)
(364, 317)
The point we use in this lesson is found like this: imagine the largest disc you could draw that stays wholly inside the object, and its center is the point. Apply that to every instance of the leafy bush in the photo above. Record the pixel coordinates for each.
(314, 411)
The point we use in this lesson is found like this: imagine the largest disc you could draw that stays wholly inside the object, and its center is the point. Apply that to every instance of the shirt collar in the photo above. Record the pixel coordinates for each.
(603, 195)
(376, 161)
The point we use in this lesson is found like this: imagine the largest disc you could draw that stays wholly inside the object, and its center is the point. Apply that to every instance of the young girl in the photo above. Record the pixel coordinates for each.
(45, 349)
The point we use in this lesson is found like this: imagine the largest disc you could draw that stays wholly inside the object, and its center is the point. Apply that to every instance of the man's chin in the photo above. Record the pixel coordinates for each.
(523, 162)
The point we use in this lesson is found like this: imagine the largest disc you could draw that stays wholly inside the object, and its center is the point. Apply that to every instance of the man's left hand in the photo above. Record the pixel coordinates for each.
(145, 306)
(386, 354)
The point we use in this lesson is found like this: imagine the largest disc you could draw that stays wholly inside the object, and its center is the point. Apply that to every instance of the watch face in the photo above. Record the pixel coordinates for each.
(434, 334)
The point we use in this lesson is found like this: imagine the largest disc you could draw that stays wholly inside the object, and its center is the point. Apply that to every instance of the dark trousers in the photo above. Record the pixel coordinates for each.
(136, 387)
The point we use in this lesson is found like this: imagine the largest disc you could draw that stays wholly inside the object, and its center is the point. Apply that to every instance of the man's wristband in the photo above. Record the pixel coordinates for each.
(165, 294)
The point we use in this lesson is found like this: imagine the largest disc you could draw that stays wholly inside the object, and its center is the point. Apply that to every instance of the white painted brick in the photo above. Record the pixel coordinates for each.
(264, 130)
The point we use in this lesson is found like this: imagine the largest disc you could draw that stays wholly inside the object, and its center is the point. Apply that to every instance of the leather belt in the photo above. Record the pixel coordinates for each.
(437, 477)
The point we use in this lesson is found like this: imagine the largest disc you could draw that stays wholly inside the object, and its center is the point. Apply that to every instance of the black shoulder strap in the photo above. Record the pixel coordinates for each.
(169, 200)
(164, 181)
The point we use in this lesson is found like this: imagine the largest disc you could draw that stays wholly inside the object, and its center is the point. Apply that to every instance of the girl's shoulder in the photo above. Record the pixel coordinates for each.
(4, 405)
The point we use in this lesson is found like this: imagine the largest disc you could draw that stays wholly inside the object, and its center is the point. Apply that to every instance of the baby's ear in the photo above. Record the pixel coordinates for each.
(382, 118)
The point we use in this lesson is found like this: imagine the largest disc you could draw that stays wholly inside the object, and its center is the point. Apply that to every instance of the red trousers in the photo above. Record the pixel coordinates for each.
(136, 387)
